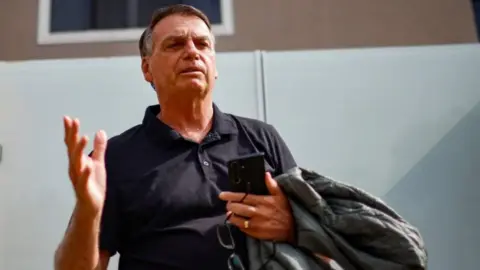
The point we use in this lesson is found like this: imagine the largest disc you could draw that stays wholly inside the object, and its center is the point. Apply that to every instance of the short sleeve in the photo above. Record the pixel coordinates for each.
(109, 228)
(109, 237)
(282, 156)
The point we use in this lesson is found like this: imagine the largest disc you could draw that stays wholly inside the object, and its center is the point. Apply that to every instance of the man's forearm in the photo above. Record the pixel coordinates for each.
(79, 247)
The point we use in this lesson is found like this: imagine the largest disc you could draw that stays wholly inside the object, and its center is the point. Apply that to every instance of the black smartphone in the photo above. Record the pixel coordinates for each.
(247, 174)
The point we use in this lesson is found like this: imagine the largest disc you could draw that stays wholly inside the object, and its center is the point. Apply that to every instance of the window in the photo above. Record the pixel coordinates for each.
(476, 11)
(86, 21)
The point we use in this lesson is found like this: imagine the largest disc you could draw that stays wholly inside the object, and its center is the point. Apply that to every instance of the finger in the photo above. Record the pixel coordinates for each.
(229, 215)
(243, 210)
(72, 138)
(76, 157)
(272, 185)
(240, 197)
(231, 196)
(76, 163)
(67, 123)
(240, 223)
(67, 126)
(99, 146)
(82, 182)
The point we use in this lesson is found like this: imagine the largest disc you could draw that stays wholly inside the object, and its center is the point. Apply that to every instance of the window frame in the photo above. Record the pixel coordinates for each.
(46, 37)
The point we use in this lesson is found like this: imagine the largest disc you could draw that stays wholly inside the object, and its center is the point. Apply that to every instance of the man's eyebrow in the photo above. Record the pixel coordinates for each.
(180, 36)
(202, 37)
(172, 37)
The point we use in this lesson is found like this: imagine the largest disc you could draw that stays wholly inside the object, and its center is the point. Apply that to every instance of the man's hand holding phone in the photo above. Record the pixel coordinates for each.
(266, 217)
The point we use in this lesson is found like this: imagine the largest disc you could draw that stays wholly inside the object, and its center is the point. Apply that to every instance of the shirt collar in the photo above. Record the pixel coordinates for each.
(223, 124)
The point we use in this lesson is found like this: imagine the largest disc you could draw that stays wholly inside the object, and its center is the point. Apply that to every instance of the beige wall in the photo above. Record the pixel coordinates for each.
(277, 25)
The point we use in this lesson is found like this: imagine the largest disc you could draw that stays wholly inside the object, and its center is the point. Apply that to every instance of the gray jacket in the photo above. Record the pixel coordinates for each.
(339, 227)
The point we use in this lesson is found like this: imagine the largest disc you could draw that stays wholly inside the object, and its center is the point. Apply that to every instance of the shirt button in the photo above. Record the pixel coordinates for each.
(206, 163)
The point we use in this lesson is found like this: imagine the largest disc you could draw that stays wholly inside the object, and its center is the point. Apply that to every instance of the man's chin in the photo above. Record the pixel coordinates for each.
(194, 86)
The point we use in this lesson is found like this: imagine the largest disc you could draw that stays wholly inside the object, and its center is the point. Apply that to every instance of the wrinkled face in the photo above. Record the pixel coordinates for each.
(182, 61)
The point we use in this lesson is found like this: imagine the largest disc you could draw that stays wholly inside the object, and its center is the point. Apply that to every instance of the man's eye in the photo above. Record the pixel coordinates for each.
(203, 44)
(174, 45)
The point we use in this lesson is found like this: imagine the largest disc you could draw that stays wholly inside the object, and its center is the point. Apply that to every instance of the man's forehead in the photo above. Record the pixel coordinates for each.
(179, 26)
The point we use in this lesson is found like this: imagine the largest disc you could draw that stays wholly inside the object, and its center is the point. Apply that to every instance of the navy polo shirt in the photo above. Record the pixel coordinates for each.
(162, 206)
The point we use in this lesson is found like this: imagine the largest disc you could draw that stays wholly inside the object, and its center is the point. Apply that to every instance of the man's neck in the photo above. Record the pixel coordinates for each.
(190, 118)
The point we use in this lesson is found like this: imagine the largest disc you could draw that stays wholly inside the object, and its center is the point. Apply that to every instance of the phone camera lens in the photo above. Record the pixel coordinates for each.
(236, 172)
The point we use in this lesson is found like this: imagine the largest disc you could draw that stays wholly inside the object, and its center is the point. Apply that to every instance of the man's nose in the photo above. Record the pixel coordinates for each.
(191, 50)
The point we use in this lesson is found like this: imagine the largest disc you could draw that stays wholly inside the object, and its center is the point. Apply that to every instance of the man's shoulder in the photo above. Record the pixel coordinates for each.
(253, 125)
(124, 137)
(121, 143)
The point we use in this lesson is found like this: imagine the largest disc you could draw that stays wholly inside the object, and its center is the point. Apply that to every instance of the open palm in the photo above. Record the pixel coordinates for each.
(87, 173)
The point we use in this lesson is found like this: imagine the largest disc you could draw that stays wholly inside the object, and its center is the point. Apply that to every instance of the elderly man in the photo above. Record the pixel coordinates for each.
(155, 193)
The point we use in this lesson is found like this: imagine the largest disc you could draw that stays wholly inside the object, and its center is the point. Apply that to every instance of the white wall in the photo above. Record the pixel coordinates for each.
(364, 116)
(402, 123)
(367, 116)
(36, 198)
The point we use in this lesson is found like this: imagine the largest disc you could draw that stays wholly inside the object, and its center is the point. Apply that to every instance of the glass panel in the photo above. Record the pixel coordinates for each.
(80, 15)
(476, 10)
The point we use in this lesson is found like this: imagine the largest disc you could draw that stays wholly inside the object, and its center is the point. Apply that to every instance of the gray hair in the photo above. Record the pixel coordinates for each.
(146, 42)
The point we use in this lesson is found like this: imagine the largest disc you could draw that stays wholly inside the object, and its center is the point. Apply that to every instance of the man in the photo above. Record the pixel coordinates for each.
(155, 193)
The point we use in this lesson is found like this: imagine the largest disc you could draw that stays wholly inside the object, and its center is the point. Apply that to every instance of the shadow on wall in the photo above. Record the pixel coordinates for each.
(440, 196)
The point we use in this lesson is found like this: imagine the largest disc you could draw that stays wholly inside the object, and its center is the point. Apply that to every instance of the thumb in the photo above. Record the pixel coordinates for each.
(272, 185)
(99, 146)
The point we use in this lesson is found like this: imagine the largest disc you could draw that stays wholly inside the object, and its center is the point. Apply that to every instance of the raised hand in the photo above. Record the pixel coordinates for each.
(87, 174)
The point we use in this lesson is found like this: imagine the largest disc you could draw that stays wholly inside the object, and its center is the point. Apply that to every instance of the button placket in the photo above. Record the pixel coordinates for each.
(202, 154)
(203, 160)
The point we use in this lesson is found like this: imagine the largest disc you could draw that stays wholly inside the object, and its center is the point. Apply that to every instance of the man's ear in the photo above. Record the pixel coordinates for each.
(147, 75)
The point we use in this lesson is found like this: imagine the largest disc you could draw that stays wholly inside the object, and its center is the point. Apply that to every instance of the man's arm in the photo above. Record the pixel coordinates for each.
(79, 248)
(282, 156)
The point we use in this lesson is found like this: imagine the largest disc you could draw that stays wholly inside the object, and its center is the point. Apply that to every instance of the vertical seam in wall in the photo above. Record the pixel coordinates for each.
(264, 85)
(131, 13)
(259, 79)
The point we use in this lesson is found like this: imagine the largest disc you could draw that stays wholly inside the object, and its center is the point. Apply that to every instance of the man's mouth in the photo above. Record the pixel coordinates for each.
(192, 70)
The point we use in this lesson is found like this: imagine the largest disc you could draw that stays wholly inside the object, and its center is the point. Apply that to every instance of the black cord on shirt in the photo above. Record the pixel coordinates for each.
(272, 256)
